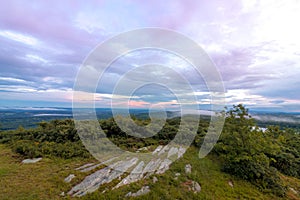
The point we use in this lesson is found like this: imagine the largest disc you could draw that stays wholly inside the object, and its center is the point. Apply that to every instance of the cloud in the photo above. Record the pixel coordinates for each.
(25, 39)
(268, 118)
(12, 80)
(254, 44)
(23, 93)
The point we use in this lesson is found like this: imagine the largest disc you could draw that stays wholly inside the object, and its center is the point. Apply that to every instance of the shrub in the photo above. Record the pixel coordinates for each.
(245, 151)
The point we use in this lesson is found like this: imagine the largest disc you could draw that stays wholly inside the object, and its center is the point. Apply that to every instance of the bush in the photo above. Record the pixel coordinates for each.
(27, 148)
(256, 170)
(65, 150)
(287, 164)
(245, 151)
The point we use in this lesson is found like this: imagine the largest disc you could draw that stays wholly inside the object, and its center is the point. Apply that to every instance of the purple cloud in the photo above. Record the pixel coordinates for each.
(256, 51)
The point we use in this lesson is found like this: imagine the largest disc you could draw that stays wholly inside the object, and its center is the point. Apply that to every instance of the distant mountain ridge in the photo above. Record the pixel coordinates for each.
(28, 117)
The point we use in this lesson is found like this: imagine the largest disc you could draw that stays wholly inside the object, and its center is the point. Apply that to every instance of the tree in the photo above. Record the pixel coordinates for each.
(244, 150)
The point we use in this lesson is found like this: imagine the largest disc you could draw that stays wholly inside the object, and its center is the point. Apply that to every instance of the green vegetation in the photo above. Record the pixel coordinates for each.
(261, 164)
(56, 138)
(250, 153)
(42, 180)
(45, 180)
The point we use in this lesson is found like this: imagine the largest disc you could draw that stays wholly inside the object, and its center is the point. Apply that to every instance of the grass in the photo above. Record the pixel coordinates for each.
(45, 180)
(206, 171)
(42, 180)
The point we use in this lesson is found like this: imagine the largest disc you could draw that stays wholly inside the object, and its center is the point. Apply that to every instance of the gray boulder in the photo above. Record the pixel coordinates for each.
(188, 169)
(69, 178)
(29, 161)
(196, 187)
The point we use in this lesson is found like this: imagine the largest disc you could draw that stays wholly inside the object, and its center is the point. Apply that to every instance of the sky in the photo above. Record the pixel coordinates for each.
(255, 46)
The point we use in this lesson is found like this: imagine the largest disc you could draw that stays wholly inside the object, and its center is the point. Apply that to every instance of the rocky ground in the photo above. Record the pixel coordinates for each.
(116, 169)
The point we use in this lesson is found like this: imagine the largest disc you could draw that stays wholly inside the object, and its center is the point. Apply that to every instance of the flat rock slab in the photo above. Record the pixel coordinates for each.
(144, 190)
(164, 166)
(151, 166)
(172, 151)
(163, 156)
(29, 161)
(157, 150)
(85, 166)
(134, 176)
(181, 151)
(92, 182)
(90, 168)
(69, 178)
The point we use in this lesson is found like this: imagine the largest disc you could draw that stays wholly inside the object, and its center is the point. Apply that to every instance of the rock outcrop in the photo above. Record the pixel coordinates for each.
(69, 178)
(29, 161)
(188, 169)
(92, 182)
(163, 156)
